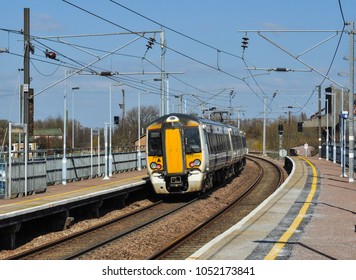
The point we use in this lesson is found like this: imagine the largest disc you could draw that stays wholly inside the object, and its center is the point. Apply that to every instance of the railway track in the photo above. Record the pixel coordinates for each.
(85, 244)
(270, 178)
(80, 243)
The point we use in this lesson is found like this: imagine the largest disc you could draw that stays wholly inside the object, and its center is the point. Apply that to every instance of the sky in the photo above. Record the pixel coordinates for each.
(203, 58)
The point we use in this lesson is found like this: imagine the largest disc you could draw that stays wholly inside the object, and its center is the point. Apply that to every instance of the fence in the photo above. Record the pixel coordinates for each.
(48, 171)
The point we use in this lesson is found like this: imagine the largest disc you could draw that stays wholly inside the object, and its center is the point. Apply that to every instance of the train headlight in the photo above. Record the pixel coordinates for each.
(154, 165)
(196, 162)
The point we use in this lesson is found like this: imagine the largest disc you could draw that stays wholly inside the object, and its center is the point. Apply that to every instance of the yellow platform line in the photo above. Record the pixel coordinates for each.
(277, 248)
(70, 192)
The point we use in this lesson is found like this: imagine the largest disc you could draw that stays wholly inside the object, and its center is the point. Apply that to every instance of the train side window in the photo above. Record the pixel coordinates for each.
(192, 140)
(154, 143)
(212, 142)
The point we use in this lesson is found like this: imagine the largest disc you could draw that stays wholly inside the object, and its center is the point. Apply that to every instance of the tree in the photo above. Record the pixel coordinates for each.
(127, 131)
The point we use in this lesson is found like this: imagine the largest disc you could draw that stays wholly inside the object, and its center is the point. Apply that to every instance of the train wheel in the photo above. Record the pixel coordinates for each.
(208, 184)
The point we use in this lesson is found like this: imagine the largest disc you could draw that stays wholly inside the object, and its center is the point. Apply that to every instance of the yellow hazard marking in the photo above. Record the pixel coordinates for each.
(277, 248)
(174, 151)
(70, 192)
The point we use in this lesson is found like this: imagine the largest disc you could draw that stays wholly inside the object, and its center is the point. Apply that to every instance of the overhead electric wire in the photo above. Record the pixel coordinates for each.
(175, 31)
(338, 44)
(171, 49)
(193, 39)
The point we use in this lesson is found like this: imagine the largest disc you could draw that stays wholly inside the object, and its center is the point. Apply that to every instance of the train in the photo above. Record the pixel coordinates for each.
(188, 154)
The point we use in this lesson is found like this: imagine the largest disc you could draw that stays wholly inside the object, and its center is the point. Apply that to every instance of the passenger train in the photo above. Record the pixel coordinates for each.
(188, 154)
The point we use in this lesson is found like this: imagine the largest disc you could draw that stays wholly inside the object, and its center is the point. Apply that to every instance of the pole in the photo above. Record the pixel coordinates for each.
(106, 151)
(327, 129)
(64, 159)
(91, 153)
(138, 133)
(351, 105)
(98, 152)
(280, 146)
(163, 51)
(110, 136)
(26, 155)
(319, 117)
(334, 127)
(167, 95)
(72, 122)
(27, 45)
(343, 144)
(10, 163)
(20, 103)
(264, 126)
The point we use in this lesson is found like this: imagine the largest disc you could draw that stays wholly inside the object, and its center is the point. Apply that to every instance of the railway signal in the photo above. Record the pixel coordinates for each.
(300, 126)
(280, 129)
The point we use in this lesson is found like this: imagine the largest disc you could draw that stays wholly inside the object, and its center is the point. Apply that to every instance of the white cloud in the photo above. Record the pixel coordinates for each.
(45, 23)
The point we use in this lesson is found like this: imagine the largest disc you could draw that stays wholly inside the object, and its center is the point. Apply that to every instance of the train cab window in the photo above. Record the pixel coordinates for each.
(192, 140)
(154, 143)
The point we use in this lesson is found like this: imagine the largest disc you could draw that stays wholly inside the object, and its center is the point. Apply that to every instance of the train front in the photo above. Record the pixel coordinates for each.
(175, 155)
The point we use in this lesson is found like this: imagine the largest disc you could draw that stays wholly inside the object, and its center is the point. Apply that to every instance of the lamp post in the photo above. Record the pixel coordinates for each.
(106, 177)
(139, 132)
(165, 105)
(334, 122)
(73, 89)
(327, 129)
(351, 103)
(64, 159)
(110, 128)
(264, 127)
(139, 167)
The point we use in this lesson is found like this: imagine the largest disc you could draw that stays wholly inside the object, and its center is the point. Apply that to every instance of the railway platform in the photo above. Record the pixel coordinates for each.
(60, 201)
(310, 217)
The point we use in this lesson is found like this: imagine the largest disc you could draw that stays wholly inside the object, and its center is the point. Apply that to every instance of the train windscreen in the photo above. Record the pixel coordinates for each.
(155, 143)
(192, 140)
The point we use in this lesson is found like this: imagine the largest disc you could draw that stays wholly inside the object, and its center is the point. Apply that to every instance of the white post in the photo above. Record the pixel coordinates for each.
(110, 137)
(264, 127)
(138, 133)
(26, 155)
(334, 128)
(91, 153)
(327, 129)
(168, 109)
(10, 163)
(106, 177)
(64, 159)
(99, 152)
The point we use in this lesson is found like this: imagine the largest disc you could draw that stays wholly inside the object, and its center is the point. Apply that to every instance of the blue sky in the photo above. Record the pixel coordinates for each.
(210, 63)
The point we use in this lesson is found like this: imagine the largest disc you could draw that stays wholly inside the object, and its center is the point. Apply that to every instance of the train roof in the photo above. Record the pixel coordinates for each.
(186, 117)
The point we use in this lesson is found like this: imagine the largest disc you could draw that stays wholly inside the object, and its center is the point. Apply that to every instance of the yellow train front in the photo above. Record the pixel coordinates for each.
(181, 155)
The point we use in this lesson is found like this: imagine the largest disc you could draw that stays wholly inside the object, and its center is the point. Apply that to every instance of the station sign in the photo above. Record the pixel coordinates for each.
(25, 87)
(345, 114)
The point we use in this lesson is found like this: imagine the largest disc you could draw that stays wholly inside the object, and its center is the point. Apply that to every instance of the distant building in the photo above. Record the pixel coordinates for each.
(334, 108)
(142, 143)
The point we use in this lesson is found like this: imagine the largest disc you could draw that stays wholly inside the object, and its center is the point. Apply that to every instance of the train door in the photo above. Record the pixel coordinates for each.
(174, 150)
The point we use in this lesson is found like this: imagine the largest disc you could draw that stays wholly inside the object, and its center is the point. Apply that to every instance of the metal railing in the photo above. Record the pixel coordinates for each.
(45, 171)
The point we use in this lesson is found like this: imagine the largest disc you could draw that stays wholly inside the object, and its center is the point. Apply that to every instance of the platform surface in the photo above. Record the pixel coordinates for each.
(311, 217)
(71, 192)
